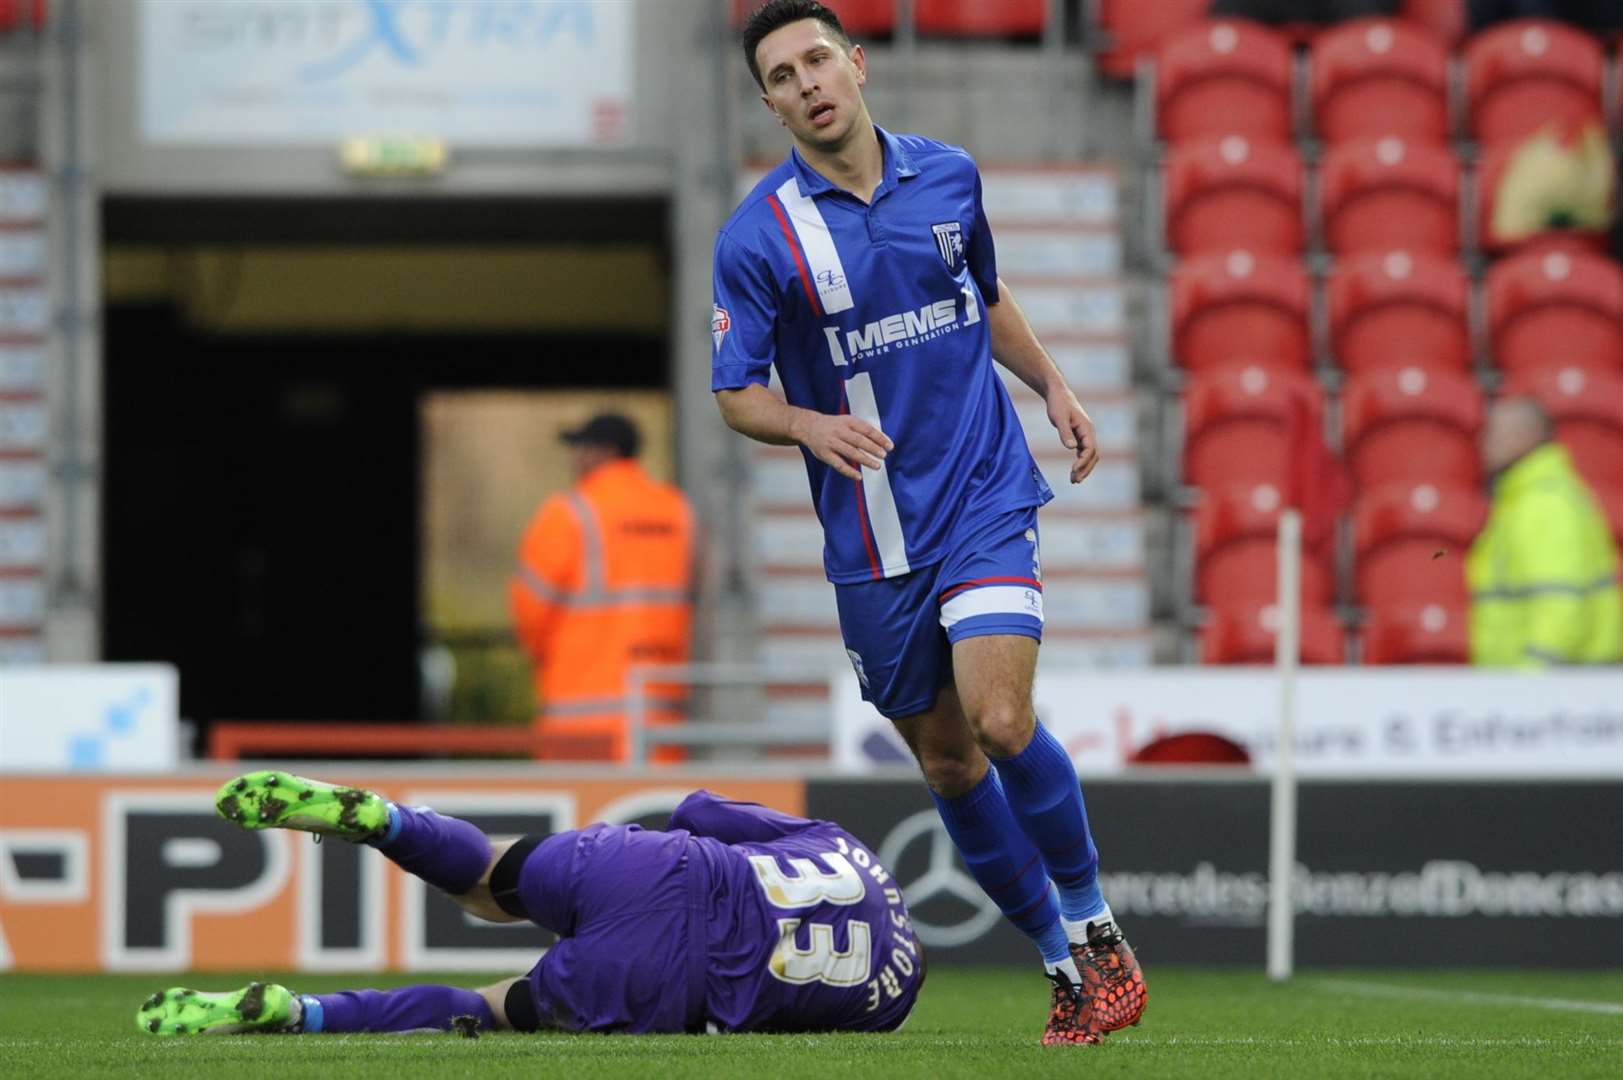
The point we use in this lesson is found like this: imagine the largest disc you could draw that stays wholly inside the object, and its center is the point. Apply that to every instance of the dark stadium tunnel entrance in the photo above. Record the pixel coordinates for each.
(272, 372)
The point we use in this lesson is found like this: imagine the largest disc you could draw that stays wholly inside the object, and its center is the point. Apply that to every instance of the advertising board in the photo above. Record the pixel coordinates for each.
(131, 874)
(1388, 875)
(1351, 722)
(88, 717)
(534, 73)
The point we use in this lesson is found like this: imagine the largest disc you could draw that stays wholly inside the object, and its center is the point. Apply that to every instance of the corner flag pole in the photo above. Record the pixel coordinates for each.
(1282, 816)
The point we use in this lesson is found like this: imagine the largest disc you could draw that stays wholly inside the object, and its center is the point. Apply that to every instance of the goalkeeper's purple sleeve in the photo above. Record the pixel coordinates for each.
(732, 822)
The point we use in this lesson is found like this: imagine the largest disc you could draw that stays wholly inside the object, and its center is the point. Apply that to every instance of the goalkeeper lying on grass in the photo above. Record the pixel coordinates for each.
(736, 918)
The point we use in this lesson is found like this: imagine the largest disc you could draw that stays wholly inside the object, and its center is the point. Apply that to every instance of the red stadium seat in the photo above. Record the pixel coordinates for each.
(1223, 77)
(1245, 635)
(1397, 309)
(1555, 309)
(1235, 561)
(1410, 540)
(1234, 424)
(1374, 77)
(1388, 193)
(1587, 407)
(1445, 18)
(1429, 632)
(1240, 306)
(1233, 192)
(1527, 73)
(1135, 29)
(981, 18)
(857, 16)
(1410, 424)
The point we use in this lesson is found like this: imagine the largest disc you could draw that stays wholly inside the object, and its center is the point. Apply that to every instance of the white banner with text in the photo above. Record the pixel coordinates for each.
(1365, 723)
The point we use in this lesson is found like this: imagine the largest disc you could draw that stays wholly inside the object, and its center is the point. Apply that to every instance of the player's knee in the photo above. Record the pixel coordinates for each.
(951, 774)
(1003, 729)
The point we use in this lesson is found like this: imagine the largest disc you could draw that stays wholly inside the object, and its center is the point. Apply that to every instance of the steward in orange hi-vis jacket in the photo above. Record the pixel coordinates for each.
(604, 583)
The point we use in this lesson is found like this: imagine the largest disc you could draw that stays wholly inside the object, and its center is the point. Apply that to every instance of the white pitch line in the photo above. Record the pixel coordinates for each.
(1469, 997)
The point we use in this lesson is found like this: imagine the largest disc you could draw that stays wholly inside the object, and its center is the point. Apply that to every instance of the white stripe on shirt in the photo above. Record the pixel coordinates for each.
(882, 513)
(828, 273)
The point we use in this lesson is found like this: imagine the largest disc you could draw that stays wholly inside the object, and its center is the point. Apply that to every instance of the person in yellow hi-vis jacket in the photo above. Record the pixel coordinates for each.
(1544, 571)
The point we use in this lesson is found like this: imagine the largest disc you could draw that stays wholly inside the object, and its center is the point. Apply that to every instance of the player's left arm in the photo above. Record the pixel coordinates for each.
(1015, 346)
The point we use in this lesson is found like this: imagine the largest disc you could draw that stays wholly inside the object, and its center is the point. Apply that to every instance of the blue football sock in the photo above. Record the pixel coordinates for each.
(1005, 864)
(1046, 798)
(409, 1008)
(447, 852)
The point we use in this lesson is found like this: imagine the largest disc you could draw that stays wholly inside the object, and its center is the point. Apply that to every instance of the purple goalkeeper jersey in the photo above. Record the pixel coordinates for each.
(806, 931)
(735, 918)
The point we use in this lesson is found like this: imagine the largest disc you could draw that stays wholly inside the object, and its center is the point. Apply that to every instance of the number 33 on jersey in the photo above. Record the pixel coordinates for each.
(843, 886)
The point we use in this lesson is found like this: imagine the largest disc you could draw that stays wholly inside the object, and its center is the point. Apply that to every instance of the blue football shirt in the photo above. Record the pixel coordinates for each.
(879, 309)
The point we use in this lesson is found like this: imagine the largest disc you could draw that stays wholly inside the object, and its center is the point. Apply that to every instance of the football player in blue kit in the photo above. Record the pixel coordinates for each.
(862, 268)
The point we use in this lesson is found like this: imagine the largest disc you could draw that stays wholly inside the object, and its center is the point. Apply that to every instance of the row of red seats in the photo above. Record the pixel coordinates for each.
(1388, 191)
(1397, 424)
(947, 18)
(1373, 77)
(22, 14)
(1429, 632)
(1409, 542)
(1543, 309)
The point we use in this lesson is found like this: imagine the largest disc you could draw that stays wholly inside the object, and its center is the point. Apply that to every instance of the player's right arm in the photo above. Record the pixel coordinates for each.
(843, 443)
(704, 813)
(743, 325)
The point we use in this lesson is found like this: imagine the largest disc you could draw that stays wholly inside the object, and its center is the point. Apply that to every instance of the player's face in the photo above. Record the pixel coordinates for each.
(813, 86)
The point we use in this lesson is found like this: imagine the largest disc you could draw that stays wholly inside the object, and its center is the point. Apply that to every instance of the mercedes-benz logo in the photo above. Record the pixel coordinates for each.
(944, 877)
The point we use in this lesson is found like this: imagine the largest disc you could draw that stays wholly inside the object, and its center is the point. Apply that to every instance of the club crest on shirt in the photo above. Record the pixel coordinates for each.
(720, 323)
(949, 240)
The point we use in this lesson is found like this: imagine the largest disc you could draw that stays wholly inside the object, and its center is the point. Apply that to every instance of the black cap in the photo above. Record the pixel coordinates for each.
(612, 430)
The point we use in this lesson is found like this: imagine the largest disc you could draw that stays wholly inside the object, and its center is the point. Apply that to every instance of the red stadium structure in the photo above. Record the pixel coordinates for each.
(1240, 305)
(1399, 308)
(1374, 77)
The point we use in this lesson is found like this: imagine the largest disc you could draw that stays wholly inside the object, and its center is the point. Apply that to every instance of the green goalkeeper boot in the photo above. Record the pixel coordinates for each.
(279, 800)
(257, 1007)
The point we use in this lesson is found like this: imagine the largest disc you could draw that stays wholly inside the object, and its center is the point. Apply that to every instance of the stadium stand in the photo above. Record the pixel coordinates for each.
(1433, 632)
(1233, 191)
(1411, 424)
(1410, 539)
(1555, 308)
(1235, 560)
(1397, 309)
(1407, 136)
(1129, 30)
(1390, 192)
(1224, 77)
(1445, 18)
(1235, 420)
(1374, 77)
(1240, 306)
(981, 18)
(1525, 74)
(857, 16)
(1587, 407)
(1245, 635)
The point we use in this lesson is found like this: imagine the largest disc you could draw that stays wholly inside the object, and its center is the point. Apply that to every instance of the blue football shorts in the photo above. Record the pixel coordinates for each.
(899, 631)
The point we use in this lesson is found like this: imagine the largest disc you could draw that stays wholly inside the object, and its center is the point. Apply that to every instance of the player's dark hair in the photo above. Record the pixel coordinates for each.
(776, 13)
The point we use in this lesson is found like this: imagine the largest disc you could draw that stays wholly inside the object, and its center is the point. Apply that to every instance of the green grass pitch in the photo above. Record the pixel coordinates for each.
(980, 1023)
